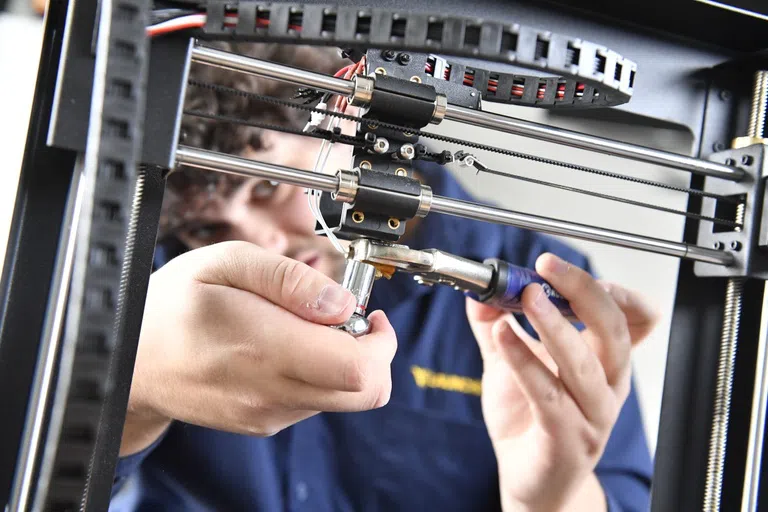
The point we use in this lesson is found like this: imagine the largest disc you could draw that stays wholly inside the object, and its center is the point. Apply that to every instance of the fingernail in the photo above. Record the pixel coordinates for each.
(502, 335)
(556, 266)
(333, 299)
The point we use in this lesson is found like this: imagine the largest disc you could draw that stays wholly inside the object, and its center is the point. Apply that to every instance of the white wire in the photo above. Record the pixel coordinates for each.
(181, 21)
(313, 197)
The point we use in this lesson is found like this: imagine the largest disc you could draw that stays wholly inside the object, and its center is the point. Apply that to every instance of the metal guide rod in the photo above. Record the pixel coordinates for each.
(592, 143)
(214, 161)
(479, 118)
(266, 69)
(582, 231)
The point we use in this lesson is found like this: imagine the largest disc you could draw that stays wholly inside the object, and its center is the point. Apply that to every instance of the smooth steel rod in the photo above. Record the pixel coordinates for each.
(220, 162)
(581, 231)
(589, 142)
(266, 69)
(213, 161)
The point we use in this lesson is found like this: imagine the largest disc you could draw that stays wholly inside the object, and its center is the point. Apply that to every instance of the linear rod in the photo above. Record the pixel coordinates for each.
(266, 69)
(220, 162)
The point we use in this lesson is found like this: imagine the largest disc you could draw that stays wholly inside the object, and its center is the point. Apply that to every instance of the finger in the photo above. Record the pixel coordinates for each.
(641, 316)
(481, 320)
(295, 348)
(374, 391)
(332, 359)
(288, 283)
(579, 368)
(595, 308)
(534, 345)
(544, 392)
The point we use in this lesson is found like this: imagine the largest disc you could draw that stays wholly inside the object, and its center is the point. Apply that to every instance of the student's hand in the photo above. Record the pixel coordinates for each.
(236, 338)
(550, 407)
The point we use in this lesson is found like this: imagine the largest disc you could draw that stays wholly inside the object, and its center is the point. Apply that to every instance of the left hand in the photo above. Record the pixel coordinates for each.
(550, 407)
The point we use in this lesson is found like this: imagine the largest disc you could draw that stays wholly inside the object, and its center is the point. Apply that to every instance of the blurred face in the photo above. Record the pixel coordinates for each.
(274, 216)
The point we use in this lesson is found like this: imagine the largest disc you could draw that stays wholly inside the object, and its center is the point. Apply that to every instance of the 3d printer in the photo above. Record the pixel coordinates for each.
(104, 136)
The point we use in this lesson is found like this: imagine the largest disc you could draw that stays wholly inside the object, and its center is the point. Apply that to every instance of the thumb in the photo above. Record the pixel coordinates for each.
(287, 283)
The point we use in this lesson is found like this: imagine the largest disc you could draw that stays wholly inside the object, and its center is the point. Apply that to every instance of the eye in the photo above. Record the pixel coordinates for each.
(264, 189)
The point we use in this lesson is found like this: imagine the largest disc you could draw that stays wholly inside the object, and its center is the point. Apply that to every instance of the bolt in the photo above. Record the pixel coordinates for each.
(718, 246)
(407, 151)
(381, 145)
(404, 59)
(725, 95)
(718, 146)
(388, 55)
(736, 245)
(746, 160)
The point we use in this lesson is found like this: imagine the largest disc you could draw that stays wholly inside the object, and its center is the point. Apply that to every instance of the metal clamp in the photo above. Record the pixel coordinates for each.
(441, 106)
(363, 92)
(348, 185)
(425, 201)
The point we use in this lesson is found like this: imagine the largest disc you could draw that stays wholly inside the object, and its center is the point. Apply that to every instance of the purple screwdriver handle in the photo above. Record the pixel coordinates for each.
(509, 281)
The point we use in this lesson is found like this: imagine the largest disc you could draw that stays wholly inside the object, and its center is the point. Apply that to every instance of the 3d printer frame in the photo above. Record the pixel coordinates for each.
(103, 135)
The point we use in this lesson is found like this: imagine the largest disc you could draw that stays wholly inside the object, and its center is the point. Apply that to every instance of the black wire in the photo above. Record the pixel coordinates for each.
(474, 145)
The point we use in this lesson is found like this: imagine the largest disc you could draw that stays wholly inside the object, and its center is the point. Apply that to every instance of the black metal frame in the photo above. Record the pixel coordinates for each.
(687, 82)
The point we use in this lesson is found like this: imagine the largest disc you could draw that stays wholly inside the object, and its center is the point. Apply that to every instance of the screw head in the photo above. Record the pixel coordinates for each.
(725, 95)
(388, 55)
(381, 145)
(404, 59)
(407, 151)
(747, 160)
(718, 146)
(736, 245)
(718, 246)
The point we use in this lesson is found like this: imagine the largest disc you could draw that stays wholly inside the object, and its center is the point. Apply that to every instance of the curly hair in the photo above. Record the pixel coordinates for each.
(186, 187)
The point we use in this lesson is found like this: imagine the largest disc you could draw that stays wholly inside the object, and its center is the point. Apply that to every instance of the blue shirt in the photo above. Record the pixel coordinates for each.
(428, 449)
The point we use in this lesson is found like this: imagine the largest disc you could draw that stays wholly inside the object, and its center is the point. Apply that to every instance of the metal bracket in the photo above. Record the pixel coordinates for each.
(748, 244)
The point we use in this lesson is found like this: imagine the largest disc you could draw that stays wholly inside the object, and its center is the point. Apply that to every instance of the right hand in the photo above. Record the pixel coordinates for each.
(236, 338)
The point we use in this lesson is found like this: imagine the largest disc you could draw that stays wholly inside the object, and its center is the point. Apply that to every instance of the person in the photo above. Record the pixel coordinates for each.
(244, 399)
